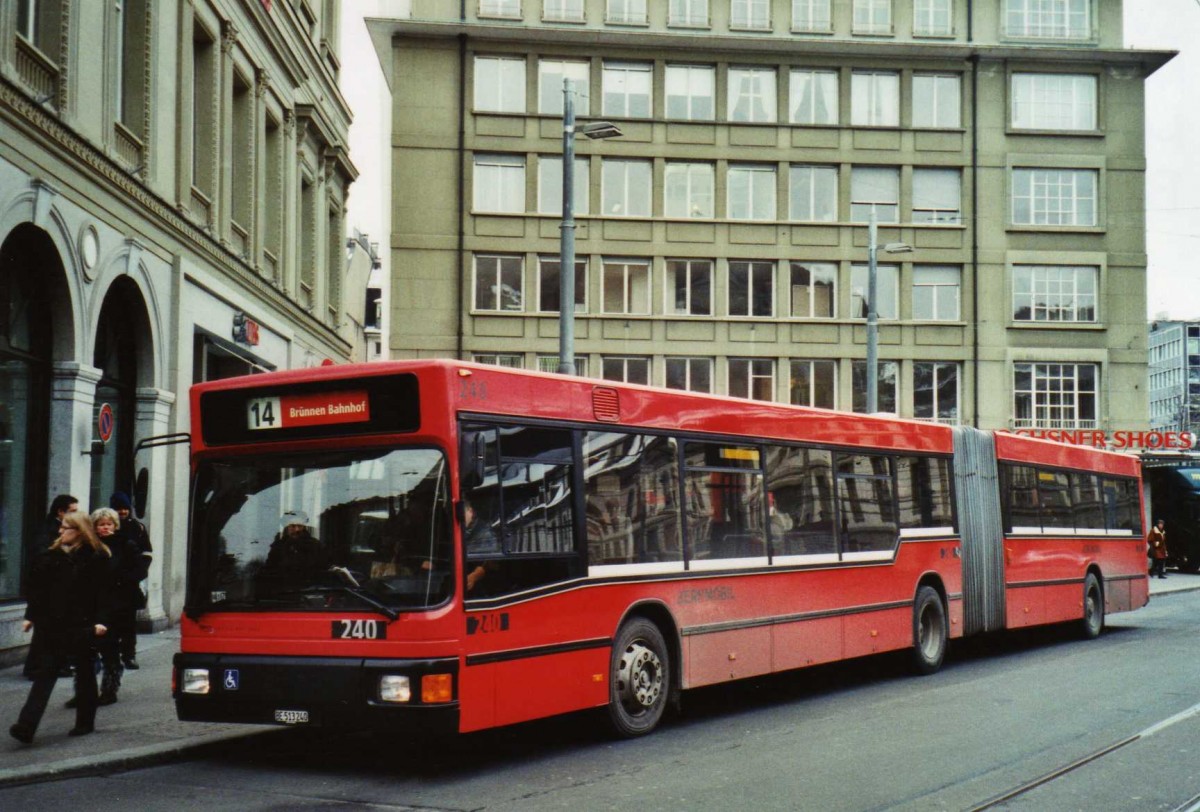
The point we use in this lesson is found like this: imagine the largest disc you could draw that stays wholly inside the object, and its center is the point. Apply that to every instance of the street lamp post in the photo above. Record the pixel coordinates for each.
(566, 253)
(872, 310)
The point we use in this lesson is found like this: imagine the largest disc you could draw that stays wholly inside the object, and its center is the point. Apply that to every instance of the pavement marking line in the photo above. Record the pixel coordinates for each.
(1192, 805)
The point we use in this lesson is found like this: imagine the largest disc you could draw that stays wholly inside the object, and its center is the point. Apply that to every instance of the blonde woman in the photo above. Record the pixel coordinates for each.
(68, 604)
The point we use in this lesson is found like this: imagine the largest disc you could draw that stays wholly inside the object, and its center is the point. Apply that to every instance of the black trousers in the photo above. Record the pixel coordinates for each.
(50, 661)
(122, 632)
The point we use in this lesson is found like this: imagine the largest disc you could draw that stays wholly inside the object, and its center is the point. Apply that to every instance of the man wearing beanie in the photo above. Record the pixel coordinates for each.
(137, 543)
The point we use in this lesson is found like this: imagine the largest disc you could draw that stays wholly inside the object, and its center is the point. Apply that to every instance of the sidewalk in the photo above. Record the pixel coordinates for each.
(142, 729)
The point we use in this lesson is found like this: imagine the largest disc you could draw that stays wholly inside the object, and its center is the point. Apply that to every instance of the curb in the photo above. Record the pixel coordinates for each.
(119, 760)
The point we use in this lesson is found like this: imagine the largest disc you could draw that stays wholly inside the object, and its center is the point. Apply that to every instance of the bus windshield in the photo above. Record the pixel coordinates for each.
(367, 531)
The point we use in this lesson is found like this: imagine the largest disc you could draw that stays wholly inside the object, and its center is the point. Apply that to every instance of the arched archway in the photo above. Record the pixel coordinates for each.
(124, 356)
(35, 319)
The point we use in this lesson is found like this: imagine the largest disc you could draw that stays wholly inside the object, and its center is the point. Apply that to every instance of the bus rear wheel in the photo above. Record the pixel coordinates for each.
(640, 679)
(929, 631)
(1093, 607)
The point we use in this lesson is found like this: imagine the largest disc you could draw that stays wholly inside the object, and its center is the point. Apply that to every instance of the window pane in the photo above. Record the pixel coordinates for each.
(875, 99)
(690, 92)
(752, 94)
(923, 485)
(1052, 101)
(626, 188)
(550, 189)
(631, 491)
(498, 283)
(688, 190)
(549, 285)
(499, 84)
(751, 192)
(551, 73)
(887, 283)
(866, 504)
(627, 88)
(886, 386)
(499, 183)
(875, 188)
(689, 287)
(813, 193)
(800, 501)
(936, 101)
(813, 97)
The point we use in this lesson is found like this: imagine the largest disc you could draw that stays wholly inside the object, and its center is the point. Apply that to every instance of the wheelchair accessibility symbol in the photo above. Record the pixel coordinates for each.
(231, 679)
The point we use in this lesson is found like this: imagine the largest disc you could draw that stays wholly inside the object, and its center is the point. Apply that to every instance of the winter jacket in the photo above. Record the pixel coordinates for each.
(68, 594)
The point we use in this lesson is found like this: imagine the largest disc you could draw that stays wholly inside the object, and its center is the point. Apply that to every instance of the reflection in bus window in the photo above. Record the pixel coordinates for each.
(1019, 494)
(632, 487)
(724, 507)
(923, 485)
(1055, 496)
(800, 499)
(866, 504)
(1121, 505)
(1085, 501)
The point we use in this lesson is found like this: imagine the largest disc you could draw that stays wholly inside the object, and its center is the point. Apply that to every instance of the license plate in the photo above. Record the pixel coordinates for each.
(291, 717)
(359, 630)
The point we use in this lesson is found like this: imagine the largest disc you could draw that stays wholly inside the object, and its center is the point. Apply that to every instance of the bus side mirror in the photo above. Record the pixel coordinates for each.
(141, 487)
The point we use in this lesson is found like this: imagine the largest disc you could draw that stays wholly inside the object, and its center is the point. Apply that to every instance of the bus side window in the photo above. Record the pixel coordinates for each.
(799, 496)
(923, 485)
(866, 504)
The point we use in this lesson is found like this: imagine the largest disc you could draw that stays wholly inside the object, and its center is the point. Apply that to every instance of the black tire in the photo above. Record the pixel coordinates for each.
(1093, 608)
(930, 631)
(639, 682)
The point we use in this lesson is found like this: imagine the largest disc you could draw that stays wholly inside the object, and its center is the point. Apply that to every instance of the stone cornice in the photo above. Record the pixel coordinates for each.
(21, 110)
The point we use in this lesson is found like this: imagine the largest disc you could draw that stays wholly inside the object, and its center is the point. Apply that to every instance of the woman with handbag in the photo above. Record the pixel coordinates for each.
(68, 605)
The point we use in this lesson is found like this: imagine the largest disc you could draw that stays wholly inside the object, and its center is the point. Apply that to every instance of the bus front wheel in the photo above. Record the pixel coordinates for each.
(640, 678)
(929, 631)
(1093, 607)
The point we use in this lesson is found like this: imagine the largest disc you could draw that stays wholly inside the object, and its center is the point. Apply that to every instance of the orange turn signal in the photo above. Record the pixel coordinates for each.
(437, 688)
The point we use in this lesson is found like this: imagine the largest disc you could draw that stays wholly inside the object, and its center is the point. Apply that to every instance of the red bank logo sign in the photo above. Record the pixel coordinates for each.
(1117, 440)
(292, 411)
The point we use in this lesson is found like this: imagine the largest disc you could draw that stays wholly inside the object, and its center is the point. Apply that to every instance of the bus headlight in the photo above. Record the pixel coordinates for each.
(195, 680)
(394, 688)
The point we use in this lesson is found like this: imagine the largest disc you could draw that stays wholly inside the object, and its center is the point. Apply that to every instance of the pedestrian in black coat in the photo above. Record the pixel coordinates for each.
(68, 604)
(61, 505)
(132, 541)
(125, 598)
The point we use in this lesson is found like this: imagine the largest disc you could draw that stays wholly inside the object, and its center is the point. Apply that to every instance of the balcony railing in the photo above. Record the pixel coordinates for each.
(1034, 423)
(36, 71)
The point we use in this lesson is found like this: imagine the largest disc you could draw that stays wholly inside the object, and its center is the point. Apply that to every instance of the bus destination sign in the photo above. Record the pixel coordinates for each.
(293, 411)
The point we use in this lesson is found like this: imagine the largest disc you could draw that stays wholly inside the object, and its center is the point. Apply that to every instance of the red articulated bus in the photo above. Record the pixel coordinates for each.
(448, 545)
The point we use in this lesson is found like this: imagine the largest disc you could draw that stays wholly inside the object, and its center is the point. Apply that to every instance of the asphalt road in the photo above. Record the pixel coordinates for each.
(1029, 721)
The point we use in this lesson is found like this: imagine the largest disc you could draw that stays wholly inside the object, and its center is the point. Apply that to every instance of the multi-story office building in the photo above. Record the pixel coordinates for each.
(172, 181)
(1175, 376)
(722, 239)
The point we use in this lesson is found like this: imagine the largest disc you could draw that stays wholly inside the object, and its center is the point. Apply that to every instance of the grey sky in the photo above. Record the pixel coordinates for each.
(1172, 152)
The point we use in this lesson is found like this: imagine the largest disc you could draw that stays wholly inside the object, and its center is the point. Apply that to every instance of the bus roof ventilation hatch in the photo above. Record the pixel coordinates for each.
(606, 404)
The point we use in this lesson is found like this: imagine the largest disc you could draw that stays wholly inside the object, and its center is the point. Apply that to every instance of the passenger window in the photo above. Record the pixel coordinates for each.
(1019, 495)
(866, 504)
(1086, 502)
(1054, 493)
(724, 504)
(1121, 505)
(632, 496)
(923, 492)
(800, 501)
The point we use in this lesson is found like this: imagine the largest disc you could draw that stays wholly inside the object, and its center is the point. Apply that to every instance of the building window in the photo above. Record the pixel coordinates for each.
(308, 243)
(499, 360)
(551, 73)
(937, 196)
(626, 369)
(27, 20)
(875, 188)
(131, 72)
(1054, 197)
(499, 8)
(812, 16)
(813, 96)
(887, 291)
(935, 391)
(1054, 396)
(688, 13)
(549, 363)
(626, 88)
(937, 100)
(752, 378)
(626, 287)
(499, 281)
(689, 287)
(568, 11)
(814, 289)
(204, 129)
(688, 190)
(1060, 293)
(875, 99)
(550, 188)
(625, 187)
(872, 16)
(812, 194)
(629, 12)
(1048, 19)
(752, 95)
(273, 216)
(690, 374)
(936, 292)
(751, 192)
(933, 18)
(813, 383)
(1054, 101)
(499, 183)
(550, 285)
(500, 84)
(887, 389)
(691, 92)
(751, 288)
(752, 14)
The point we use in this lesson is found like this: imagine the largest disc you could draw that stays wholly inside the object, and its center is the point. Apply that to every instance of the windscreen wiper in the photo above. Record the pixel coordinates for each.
(356, 591)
